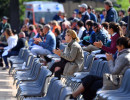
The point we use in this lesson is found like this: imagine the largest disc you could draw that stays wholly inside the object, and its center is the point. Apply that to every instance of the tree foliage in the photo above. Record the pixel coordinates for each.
(4, 8)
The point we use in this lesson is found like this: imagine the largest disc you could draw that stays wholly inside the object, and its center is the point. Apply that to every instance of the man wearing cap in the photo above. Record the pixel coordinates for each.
(112, 15)
(4, 24)
(85, 14)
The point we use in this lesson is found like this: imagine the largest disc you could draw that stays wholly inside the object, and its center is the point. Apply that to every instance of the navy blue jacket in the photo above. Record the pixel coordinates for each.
(93, 17)
(85, 16)
(100, 36)
(111, 16)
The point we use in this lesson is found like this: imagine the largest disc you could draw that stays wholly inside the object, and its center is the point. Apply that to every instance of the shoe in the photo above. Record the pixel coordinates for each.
(4, 68)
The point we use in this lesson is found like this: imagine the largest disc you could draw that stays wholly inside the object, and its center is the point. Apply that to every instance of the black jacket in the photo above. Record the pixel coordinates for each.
(111, 15)
(22, 42)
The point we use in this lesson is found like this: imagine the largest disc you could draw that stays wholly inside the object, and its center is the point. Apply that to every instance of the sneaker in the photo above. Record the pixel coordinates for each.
(4, 68)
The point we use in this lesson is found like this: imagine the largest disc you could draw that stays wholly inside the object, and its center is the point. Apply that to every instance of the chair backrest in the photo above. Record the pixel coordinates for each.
(89, 62)
(100, 69)
(21, 52)
(34, 68)
(50, 86)
(43, 79)
(125, 85)
(54, 90)
(66, 92)
(58, 86)
(105, 68)
(29, 63)
(85, 58)
(26, 51)
(94, 67)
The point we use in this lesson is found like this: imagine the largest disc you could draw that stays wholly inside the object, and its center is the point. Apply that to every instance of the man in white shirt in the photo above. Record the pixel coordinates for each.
(81, 28)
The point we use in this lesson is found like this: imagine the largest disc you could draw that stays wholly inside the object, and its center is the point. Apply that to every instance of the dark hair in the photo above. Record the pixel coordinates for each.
(122, 23)
(90, 7)
(89, 23)
(31, 27)
(129, 9)
(8, 31)
(123, 41)
(105, 25)
(80, 23)
(95, 24)
(116, 28)
(14, 31)
(40, 26)
(80, 12)
(122, 12)
(57, 31)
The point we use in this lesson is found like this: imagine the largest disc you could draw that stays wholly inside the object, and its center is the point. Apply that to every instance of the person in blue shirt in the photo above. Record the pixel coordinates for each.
(47, 45)
(99, 36)
(92, 16)
(112, 15)
(57, 16)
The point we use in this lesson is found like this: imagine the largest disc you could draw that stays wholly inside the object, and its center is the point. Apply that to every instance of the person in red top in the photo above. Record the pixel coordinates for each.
(115, 32)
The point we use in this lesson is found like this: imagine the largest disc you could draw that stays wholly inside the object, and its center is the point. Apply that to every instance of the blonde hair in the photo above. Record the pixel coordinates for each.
(73, 34)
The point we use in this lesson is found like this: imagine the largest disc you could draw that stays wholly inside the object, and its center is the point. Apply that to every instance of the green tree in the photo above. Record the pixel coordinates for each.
(4, 8)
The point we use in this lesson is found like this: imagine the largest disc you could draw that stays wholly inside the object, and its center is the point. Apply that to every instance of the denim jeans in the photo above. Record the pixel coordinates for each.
(11, 53)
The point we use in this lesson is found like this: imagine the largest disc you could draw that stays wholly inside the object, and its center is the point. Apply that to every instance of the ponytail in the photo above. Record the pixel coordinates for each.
(116, 28)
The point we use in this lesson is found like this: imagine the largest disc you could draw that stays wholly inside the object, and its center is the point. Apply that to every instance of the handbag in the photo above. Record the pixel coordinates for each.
(111, 82)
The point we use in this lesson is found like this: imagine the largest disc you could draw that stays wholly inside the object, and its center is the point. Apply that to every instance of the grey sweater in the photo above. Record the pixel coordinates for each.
(122, 62)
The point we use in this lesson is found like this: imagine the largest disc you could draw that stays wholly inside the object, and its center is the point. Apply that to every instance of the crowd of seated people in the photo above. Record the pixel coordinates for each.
(83, 32)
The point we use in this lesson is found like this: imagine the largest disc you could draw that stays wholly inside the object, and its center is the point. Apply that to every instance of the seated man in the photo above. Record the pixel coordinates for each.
(22, 42)
(100, 35)
(47, 45)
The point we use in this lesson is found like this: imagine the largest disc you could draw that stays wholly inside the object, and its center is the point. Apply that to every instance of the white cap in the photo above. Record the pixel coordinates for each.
(83, 5)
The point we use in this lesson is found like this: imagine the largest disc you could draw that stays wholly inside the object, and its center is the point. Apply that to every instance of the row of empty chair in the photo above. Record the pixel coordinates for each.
(36, 82)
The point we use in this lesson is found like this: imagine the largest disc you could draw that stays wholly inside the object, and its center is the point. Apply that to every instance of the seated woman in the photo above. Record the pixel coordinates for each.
(22, 42)
(71, 59)
(90, 84)
(115, 32)
(11, 40)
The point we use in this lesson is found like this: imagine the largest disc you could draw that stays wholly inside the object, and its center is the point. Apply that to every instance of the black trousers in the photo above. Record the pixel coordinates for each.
(91, 84)
(60, 64)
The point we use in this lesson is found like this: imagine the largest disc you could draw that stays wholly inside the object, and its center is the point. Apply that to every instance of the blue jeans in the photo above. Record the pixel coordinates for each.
(11, 53)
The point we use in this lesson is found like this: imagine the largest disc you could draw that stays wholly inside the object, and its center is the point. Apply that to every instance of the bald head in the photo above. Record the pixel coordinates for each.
(21, 34)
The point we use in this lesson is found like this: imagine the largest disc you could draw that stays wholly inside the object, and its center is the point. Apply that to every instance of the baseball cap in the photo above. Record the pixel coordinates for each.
(83, 5)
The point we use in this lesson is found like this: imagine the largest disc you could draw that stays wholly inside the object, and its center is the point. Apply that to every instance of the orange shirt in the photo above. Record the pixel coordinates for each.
(53, 30)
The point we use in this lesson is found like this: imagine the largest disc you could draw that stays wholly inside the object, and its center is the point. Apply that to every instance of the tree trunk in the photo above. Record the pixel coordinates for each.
(14, 15)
